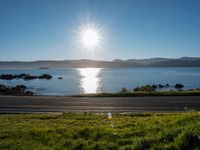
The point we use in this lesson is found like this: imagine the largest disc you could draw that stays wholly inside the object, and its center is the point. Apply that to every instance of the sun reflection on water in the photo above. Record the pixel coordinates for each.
(90, 83)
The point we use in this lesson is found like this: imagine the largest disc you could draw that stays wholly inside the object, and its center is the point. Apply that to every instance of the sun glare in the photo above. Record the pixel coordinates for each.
(90, 37)
(90, 80)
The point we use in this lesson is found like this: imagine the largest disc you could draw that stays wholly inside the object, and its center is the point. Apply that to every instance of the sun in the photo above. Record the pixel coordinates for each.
(90, 37)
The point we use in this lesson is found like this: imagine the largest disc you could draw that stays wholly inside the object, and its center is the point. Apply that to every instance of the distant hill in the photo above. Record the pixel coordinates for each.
(147, 61)
(117, 63)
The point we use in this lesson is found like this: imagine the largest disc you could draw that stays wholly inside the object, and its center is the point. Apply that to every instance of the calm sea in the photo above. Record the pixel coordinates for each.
(92, 80)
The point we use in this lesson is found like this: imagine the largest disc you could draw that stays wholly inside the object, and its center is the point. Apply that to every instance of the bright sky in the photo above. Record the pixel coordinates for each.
(48, 29)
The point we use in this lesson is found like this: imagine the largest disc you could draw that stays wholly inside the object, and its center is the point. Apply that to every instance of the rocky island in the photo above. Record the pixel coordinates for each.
(24, 76)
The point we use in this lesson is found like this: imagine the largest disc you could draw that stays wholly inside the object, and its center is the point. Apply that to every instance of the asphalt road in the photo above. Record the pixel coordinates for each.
(34, 104)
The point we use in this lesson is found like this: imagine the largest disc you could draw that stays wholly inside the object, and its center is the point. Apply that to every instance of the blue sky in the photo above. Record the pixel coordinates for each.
(46, 29)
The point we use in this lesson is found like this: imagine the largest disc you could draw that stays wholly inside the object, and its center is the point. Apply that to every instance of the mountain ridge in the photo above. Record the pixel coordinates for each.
(116, 63)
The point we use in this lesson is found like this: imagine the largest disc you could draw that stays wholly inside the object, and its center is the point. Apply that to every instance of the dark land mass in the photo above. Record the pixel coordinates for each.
(117, 63)
(24, 76)
(32, 104)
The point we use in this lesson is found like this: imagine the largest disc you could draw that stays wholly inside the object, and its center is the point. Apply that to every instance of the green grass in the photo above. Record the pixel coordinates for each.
(95, 131)
(132, 94)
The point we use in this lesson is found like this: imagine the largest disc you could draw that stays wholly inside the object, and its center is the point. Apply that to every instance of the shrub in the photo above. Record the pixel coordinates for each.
(146, 88)
(124, 90)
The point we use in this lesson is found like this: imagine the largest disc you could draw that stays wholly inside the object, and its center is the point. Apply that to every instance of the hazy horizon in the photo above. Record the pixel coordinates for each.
(97, 59)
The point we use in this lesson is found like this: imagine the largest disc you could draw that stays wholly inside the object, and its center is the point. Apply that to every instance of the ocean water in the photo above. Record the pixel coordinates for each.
(93, 80)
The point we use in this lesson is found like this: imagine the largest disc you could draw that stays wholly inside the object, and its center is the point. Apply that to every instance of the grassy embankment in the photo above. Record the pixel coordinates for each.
(132, 94)
(95, 131)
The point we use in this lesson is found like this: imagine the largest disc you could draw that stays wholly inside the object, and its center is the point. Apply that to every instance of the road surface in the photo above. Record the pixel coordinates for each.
(34, 104)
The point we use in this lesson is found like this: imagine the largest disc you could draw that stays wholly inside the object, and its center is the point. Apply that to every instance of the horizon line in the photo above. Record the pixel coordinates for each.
(99, 59)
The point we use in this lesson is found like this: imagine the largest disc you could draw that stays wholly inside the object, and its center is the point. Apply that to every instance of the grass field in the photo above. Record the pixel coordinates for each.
(96, 131)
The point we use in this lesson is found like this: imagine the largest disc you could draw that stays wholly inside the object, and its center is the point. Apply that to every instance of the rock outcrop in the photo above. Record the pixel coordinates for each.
(45, 76)
(19, 90)
(24, 77)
